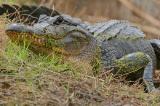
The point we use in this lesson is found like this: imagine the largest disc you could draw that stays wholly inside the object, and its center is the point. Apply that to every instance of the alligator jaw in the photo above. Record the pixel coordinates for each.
(71, 42)
(19, 33)
(19, 28)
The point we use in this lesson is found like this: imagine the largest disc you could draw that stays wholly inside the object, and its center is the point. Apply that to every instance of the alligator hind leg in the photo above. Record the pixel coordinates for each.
(135, 62)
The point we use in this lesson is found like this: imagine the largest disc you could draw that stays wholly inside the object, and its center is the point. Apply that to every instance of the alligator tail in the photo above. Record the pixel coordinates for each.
(25, 13)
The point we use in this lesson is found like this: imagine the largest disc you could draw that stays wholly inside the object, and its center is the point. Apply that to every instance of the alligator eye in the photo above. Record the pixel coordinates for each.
(59, 20)
(78, 35)
(75, 41)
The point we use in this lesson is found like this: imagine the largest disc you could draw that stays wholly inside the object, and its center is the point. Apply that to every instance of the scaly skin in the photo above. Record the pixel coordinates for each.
(116, 45)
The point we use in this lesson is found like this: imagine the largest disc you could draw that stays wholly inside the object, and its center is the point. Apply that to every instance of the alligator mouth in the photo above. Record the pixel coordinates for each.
(19, 33)
(65, 45)
(20, 37)
(36, 43)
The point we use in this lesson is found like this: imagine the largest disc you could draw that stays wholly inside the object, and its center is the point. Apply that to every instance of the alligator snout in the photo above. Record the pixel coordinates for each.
(16, 27)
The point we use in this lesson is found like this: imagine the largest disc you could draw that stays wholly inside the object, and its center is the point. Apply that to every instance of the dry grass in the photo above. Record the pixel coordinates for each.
(3, 38)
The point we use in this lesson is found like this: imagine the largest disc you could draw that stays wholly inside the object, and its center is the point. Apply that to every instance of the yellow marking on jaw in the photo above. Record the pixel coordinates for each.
(33, 39)
(26, 36)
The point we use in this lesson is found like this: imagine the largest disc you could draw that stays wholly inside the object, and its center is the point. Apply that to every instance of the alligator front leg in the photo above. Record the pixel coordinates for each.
(134, 62)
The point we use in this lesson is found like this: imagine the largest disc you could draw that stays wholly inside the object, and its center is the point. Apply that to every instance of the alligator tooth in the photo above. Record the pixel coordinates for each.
(39, 40)
(42, 39)
(36, 39)
(18, 36)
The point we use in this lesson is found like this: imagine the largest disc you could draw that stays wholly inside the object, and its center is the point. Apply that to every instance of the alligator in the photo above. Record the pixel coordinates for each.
(116, 46)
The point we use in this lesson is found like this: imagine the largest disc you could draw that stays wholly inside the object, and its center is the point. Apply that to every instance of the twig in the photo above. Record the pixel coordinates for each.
(141, 13)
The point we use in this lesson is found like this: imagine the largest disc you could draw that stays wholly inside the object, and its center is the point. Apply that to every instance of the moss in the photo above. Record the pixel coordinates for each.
(131, 63)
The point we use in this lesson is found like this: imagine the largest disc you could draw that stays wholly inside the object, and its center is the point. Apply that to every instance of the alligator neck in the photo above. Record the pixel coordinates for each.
(90, 58)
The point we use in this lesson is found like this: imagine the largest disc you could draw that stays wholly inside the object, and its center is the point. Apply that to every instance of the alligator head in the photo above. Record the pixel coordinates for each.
(43, 37)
